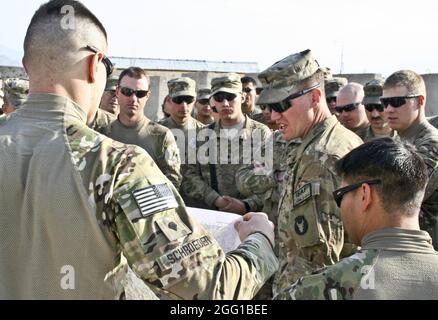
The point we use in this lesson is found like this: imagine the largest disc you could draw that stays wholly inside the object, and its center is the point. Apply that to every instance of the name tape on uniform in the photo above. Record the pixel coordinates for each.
(305, 192)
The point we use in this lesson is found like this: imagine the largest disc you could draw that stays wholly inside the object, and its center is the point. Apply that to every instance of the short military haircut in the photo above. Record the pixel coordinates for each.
(49, 36)
(400, 168)
(134, 72)
(248, 79)
(411, 80)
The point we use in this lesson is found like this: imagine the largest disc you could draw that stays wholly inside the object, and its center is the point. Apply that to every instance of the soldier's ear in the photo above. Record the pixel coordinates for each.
(421, 101)
(93, 66)
(366, 196)
(316, 95)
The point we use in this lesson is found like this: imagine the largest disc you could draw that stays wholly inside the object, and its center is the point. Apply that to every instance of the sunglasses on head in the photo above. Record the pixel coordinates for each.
(371, 106)
(396, 102)
(330, 100)
(338, 194)
(347, 108)
(182, 99)
(221, 96)
(105, 60)
(129, 92)
(282, 106)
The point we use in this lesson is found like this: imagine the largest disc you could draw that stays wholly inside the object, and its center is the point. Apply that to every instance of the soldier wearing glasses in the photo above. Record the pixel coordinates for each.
(214, 183)
(349, 107)
(404, 100)
(310, 229)
(133, 127)
(379, 127)
(249, 106)
(203, 108)
(109, 106)
(383, 183)
(332, 87)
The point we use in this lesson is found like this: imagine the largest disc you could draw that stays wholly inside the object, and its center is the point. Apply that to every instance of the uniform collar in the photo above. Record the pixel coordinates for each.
(38, 103)
(137, 126)
(246, 130)
(397, 239)
(319, 129)
(412, 132)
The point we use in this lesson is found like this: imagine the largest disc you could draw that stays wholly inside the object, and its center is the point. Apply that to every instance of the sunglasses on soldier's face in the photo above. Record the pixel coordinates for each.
(105, 60)
(182, 99)
(396, 102)
(247, 90)
(282, 106)
(370, 107)
(129, 92)
(347, 108)
(221, 96)
(338, 194)
(204, 102)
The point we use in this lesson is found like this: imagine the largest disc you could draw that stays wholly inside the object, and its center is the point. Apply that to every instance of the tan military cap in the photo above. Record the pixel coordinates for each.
(204, 93)
(229, 83)
(111, 83)
(333, 86)
(182, 87)
(280, 79)
(373, 91)
(16, 91)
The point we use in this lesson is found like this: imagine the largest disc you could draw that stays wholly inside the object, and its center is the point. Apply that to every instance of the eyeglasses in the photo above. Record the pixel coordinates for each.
(339, 193)
(182, 99)
(263, 107)
(105, 60)
(347, 108)
(396, 102)
(330, 100)
(371, 106)
(282, 106)
(221, 96)
(204, 102)
(129, 92)
(247, 90)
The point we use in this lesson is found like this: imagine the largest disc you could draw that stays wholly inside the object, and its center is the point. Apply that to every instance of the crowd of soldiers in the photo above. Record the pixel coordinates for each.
(336, 183)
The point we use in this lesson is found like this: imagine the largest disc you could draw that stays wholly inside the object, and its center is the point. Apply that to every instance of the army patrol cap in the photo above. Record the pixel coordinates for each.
(16, 90)
(203, 94)
(280, 80)
(182, 87)
(111, 83)
(373, 91)
(333, 86)
(229, 83)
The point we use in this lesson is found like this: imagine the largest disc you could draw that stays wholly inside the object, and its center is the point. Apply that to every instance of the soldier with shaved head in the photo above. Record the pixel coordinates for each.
(73, 200)
(349, 107)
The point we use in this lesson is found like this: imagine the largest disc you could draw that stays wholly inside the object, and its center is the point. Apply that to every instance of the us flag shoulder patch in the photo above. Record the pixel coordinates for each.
(154, 199)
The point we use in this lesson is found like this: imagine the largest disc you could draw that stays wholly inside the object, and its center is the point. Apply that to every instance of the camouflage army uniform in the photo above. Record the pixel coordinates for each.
(76, 199)
(393, 264)
(157, 140)
(425, 138)
(257, 115)
(198, 182)
(309, 223)
(433, 121)
(367, 134)
(2, 118)
(101, 120)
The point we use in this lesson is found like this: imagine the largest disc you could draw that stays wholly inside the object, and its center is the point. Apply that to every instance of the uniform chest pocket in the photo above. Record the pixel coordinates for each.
(306, 228)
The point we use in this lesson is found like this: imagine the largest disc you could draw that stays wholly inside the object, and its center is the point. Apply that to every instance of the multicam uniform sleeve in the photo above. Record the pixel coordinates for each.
(170, 159)
(168, 249)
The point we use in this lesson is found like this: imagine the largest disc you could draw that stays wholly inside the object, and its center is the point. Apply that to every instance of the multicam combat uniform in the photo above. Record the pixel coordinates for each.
(309, 224)
(393, 264)
(101, 120)
(75, 200)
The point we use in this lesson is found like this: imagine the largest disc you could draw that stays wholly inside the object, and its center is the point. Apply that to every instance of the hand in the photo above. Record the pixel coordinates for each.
(221, 202)
(255, 222)
(234, 205)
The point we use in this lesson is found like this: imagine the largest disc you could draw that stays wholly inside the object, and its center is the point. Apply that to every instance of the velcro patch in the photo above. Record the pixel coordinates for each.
(155, 198)
(305, 192)
(167, 260)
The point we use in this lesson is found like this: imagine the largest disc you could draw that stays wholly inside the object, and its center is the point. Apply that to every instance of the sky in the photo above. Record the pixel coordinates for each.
(355, 36)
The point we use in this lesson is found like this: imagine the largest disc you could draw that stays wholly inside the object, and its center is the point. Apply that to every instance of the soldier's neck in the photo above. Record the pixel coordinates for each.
(131, 121)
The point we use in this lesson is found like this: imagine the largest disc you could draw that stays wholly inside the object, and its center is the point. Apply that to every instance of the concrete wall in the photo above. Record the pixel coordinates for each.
(159, 89)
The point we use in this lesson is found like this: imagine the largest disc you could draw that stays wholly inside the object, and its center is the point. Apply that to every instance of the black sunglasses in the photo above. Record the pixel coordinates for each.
(105, 60)
(247, 90)
(282, 106)
(371, 106)
(347, 108)
(338, 194)
(221, 96)
(330, 100)
(263, 107)
(182, 99)
(204, 102)
(129, 92)
(396, 102)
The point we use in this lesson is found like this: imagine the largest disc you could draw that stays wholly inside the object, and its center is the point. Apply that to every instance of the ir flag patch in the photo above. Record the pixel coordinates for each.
(154, 199)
